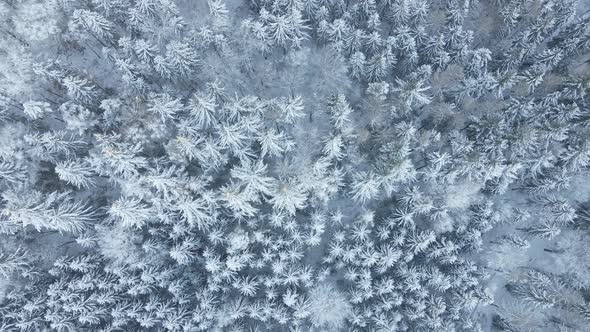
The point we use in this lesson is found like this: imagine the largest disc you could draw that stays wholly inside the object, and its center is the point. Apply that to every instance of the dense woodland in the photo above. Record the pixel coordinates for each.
(295, 165)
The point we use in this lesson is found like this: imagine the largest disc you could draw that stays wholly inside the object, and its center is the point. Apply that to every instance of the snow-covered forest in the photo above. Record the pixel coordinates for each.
(295, 165)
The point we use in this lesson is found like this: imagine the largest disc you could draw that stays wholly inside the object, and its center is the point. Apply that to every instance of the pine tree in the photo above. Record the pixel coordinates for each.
(79, 89)
(328, 307)
(181, 58)
(365, 186)
(13, 262)
(288, 196)
(131, 212)
(96, 25)
(36, 109)
(545, 230)
(164, 105)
